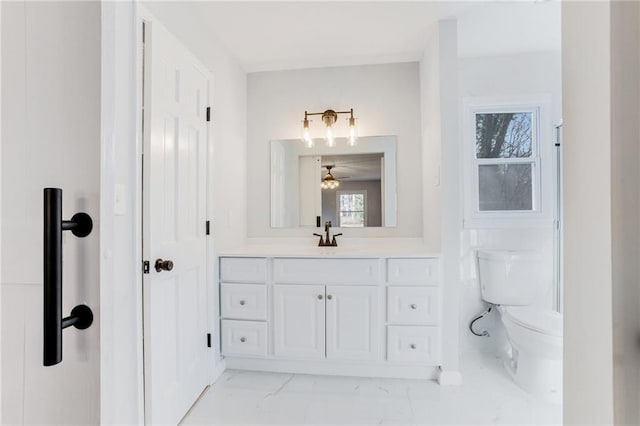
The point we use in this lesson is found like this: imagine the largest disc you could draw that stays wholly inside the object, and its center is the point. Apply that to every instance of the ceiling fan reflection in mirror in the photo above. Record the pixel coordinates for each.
(328, 181)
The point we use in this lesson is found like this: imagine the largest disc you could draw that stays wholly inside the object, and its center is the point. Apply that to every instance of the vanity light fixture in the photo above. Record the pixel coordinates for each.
(328, 181)
(329, 118)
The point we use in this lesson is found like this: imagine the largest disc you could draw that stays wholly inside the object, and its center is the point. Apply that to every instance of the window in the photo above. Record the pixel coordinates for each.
(503, 176)
(504, 160)
(352, 209)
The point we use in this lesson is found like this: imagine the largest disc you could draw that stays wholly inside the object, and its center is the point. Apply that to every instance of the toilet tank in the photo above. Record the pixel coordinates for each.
(511, 278)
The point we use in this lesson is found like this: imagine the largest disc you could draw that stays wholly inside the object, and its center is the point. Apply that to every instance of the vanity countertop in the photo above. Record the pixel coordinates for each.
(374, 248)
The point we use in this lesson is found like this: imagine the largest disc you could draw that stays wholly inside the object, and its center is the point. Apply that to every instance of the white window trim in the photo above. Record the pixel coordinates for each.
(358, 191)
(542, 155)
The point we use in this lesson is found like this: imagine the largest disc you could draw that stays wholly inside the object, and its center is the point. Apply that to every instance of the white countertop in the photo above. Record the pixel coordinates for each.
(362, 248)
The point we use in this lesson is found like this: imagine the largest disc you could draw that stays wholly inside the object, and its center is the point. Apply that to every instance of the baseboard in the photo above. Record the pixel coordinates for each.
(449, 378)
(334, 368)
(218, 369)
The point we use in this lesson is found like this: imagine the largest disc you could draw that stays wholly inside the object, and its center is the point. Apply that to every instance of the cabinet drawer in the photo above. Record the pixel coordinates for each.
(326, 271)
(243, 301)
(413, 271)
(244, 338)
(413, 305)
(414, 344)
(243, 269)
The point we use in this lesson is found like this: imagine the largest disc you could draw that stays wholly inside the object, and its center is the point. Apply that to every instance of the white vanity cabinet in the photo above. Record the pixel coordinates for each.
(377, 316)
(352, 324)
(243, 301)
(299, 321)
(326, 308)
(243, 306)
(413, 310)
(413, 305)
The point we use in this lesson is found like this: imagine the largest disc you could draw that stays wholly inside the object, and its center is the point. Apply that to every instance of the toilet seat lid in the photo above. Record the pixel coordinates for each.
(537, 319)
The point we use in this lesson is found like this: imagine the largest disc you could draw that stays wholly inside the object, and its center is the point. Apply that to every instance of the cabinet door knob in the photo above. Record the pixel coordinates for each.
(413, 306)
(243, 339)
(319, 297)
(413, 346)
(329, 296)
(242, 302)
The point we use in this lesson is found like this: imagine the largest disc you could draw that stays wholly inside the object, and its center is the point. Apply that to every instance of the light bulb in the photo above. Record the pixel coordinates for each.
(306, 135)
(353, 131)
(331, 142)
(308, 140)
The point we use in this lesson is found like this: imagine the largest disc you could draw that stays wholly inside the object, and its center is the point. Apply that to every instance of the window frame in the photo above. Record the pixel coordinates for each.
(338, 211)
(541, 153)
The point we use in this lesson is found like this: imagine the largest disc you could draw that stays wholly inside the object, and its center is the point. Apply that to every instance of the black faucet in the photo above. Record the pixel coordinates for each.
(327, 226)
(328, 241)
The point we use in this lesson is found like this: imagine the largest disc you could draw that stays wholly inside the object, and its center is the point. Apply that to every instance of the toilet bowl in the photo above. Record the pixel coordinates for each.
(534, 360)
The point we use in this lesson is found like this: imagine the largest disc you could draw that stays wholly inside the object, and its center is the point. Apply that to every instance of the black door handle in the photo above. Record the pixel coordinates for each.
(163, 265)
(81, 316)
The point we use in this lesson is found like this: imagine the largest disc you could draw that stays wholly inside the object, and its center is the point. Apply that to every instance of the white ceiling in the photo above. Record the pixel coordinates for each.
(353, 167)
(266, 36)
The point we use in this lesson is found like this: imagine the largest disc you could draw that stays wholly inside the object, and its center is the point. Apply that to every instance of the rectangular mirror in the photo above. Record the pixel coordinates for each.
(351, 186)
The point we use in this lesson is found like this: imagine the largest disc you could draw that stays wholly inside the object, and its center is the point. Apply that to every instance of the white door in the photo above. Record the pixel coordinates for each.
(175, 195)
(352, 322)
(299, 321)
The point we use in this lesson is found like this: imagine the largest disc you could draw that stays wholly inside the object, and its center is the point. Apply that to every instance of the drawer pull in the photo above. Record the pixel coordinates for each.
(329, 296)
(242, 302)
(243, 339)
(412, 346)
(319, 297)
(413, 306)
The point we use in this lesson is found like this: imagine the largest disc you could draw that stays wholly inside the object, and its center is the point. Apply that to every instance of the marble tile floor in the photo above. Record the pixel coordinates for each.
(487, 396)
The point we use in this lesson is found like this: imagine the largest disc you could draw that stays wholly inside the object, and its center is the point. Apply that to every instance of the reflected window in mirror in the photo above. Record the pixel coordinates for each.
(352, 209)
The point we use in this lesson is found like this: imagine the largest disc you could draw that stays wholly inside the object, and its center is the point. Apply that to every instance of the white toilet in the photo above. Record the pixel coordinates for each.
(510, 280)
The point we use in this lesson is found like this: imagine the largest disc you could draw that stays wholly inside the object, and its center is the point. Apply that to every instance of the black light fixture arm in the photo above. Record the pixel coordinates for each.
(81, 316)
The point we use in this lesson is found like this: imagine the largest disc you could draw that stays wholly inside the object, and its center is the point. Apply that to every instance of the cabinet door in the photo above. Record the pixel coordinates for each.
(299, 314)
(353, 314)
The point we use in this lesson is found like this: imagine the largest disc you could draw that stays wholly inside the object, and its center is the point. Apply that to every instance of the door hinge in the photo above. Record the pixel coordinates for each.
(145, 267)
(208, 231)
(208, 340)
(208, 113)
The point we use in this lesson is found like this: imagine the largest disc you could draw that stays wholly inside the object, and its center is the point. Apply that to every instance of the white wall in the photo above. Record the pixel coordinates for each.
(121, 290)
(386, 101)
(625, 199)
(122, 368)
(430, 102)
(439, 96)
(588, 327)
(510, 76)
(50, 138)
(0, 206)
